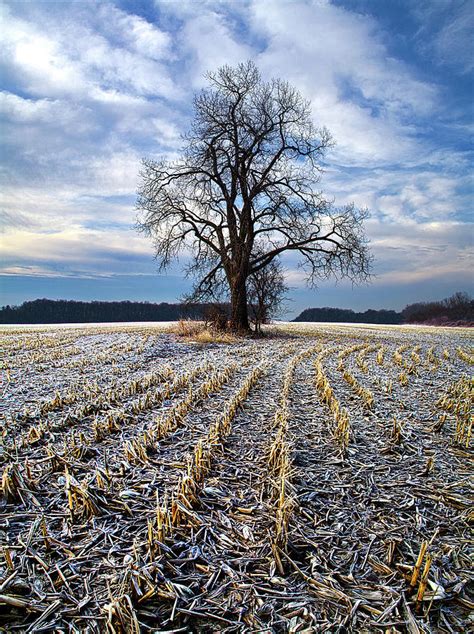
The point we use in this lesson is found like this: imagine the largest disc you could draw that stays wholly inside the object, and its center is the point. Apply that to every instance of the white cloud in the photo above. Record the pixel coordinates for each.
(34, 271)
(73, 247)
(45, 115)
(454, 42)
(54, 57)
(445, 32)
(112, 175)
(410, 252)
(209, 40)
(424, 273)
(338, 60)
(41, 66)
(413, 252)
(140, 36)
(404, 195)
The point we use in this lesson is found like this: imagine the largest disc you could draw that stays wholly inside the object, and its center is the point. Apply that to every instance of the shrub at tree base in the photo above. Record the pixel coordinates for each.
(199, 332)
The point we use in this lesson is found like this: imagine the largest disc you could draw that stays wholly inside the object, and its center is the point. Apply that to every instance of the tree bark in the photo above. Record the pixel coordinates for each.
(239, 308)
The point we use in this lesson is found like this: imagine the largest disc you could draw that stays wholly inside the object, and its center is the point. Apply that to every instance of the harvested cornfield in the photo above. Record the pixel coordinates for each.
(318, 480)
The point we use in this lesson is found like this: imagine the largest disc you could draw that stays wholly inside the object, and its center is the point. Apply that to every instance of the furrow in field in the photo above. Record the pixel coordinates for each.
(136, 498)
(274, 501)
(359, 515)
(67, 409)
(231, 540)
(83, 433)
(186, 501)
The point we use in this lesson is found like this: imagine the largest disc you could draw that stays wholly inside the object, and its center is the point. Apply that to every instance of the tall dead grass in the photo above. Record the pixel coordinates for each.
(199, 332)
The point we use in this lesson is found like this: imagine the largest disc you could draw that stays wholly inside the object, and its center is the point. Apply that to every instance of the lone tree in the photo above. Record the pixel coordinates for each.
(244, 191)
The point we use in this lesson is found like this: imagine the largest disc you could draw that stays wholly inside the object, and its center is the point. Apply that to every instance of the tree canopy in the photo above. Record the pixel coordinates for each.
(245, 191)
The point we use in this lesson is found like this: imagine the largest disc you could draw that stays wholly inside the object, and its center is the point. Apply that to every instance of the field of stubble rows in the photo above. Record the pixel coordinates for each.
(316, 481)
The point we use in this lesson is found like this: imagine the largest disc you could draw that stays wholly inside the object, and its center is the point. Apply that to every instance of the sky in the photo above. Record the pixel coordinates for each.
(89, 88)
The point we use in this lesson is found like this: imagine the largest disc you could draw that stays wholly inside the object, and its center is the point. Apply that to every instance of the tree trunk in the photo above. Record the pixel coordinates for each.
(239, 308)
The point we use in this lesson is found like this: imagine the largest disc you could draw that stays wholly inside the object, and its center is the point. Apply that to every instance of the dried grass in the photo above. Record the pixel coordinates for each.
(197, 331)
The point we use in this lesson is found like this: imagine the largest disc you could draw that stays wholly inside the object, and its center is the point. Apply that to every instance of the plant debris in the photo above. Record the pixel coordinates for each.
(316, 482)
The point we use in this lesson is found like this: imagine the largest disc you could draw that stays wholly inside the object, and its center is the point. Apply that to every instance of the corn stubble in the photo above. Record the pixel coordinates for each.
(458, 402)
(341, 429)
(280, 465)
(122, 508)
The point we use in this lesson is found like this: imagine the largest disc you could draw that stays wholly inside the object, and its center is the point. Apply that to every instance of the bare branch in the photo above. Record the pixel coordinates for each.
(245, 190)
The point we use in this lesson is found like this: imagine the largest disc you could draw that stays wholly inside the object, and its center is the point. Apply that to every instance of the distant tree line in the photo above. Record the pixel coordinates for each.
(457, 308)
(48, 311)
(348, 315)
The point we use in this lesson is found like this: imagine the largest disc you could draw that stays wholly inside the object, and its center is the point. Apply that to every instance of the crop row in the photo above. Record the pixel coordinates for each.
(176, 507)
(136, 450)
(280, 462)
(341, 429)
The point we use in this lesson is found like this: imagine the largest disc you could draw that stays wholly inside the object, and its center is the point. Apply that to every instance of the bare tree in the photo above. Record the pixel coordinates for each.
(266, 291)
(245, 191)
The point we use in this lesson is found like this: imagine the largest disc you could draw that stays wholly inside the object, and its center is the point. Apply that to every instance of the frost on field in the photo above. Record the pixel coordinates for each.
(312, 480)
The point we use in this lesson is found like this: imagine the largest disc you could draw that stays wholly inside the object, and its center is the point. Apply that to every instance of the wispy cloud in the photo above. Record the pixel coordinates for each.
(445, 32)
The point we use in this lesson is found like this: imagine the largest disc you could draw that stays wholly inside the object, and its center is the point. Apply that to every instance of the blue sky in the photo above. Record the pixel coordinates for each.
(89, 88)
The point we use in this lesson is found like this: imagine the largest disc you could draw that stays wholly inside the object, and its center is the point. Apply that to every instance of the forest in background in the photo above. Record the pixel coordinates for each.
(455, 310)
(458, 309)
(347, 315)
(60, 311)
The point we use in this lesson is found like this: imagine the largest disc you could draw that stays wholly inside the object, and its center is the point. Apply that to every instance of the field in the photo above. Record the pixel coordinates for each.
(318, 480)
